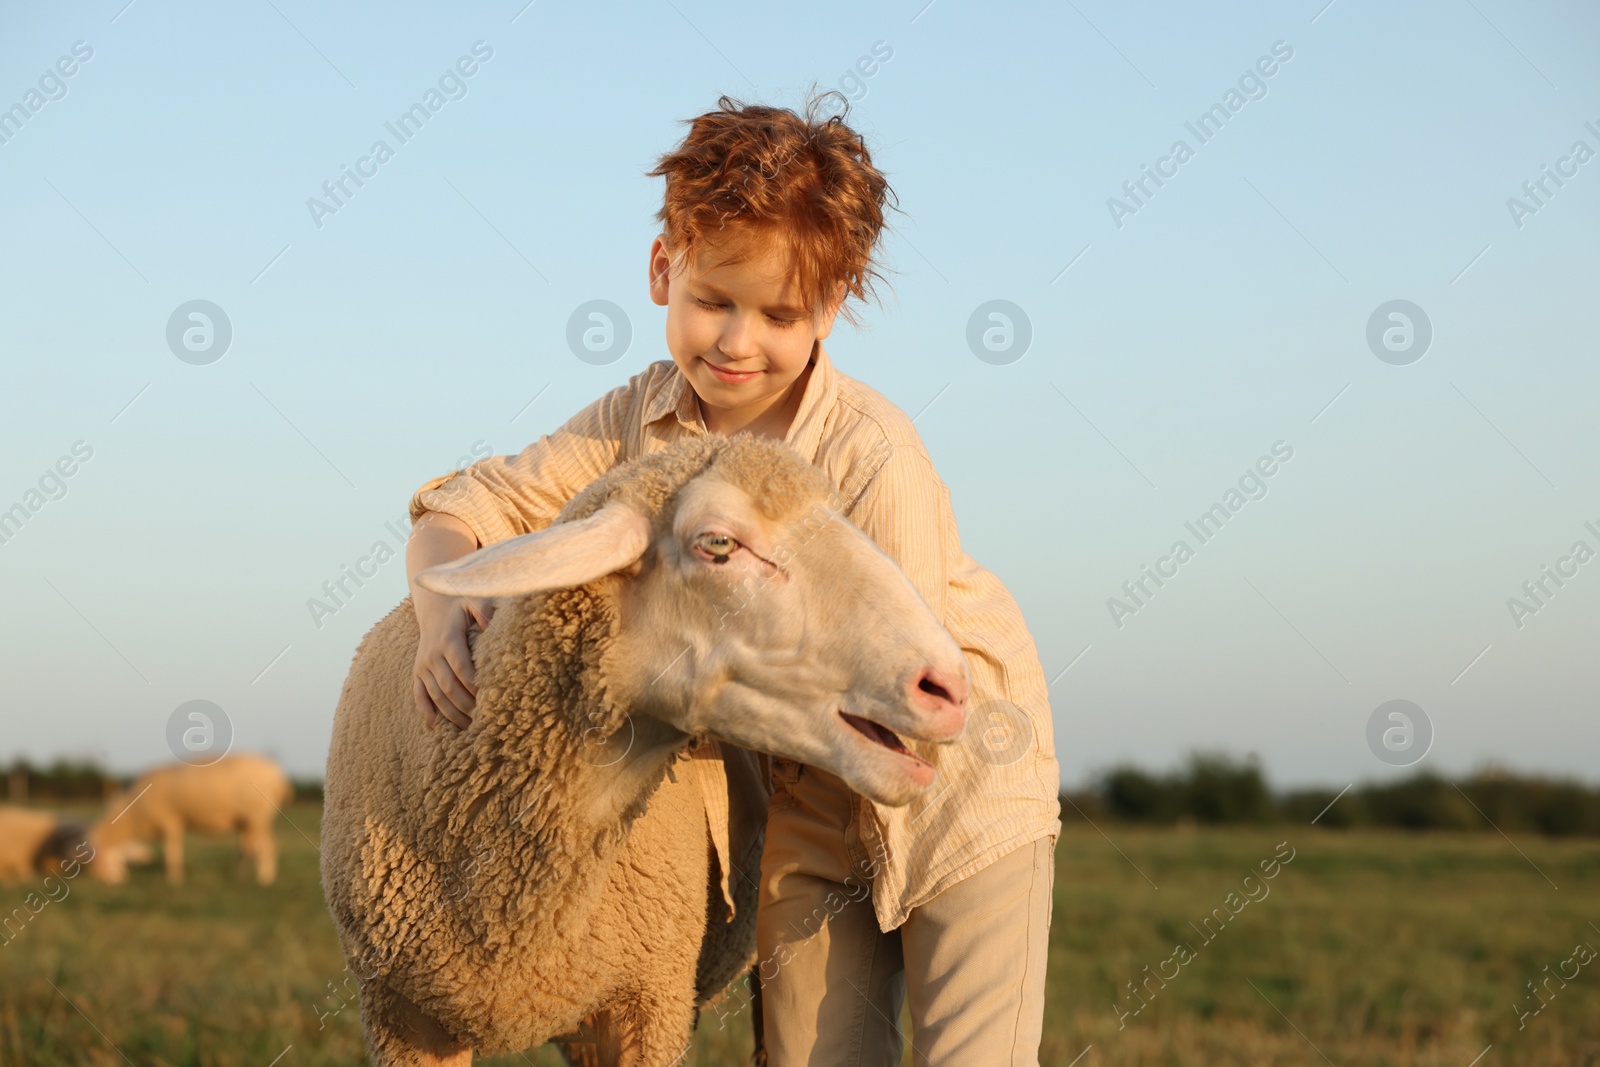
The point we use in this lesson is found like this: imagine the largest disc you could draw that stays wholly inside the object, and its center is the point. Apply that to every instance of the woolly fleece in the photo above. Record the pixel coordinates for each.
(466, 887)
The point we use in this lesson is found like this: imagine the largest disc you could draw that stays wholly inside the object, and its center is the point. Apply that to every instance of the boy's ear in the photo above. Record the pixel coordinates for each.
(830, 311)
(659, 269)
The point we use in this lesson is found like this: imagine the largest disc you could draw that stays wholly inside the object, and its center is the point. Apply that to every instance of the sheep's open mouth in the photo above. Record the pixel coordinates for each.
(879, 734)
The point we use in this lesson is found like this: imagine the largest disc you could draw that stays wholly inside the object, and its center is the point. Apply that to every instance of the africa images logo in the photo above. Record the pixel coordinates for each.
(452, 85)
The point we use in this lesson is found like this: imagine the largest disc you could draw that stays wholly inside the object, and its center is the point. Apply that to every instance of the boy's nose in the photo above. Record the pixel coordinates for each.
(733, 355)
(737, 341)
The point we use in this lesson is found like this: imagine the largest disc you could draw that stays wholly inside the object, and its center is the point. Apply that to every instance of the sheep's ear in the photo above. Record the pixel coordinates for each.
(560, 557)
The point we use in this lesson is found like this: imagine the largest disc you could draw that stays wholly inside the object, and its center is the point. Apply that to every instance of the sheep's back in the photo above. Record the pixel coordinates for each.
(643, 929)
(237, 791)
(396, 904)
(22, 833)
(376, 737)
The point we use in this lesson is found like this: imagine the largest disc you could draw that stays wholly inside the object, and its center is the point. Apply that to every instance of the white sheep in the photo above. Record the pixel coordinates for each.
(240, 793)
(35, 842)
(496, 887)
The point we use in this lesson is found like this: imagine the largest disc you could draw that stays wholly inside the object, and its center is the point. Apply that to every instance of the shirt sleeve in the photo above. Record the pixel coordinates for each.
(503, 496)
(905, 509)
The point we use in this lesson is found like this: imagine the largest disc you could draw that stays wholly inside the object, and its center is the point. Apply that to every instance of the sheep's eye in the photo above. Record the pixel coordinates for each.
(718, 546)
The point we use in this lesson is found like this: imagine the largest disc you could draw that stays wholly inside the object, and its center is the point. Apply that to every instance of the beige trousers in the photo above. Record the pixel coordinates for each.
(972, 959)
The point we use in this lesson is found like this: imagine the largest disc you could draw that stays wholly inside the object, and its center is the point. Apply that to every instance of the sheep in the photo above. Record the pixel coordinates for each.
(239, 792)
(35, 842)
(547, 867)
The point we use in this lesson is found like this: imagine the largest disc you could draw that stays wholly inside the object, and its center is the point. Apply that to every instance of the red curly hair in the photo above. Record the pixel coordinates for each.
(805, 180)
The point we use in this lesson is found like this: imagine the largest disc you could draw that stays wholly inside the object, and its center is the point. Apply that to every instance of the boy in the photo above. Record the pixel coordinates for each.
(770, 221)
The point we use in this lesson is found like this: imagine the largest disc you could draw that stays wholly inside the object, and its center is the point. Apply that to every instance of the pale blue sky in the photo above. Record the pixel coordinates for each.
(1223, 316)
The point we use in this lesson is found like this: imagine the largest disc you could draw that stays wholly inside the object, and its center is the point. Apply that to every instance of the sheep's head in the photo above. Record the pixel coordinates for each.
(109, 862)
(114, 842)
(752, 611)
(63, 850)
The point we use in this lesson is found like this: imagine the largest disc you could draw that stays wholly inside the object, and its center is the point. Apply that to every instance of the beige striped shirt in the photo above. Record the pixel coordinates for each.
(997, 787)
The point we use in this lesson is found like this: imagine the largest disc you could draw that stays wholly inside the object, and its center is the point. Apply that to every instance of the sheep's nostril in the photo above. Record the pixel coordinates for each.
(943, 687)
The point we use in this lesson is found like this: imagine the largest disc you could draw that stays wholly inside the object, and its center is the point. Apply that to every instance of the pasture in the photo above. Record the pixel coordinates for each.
(1369, 947)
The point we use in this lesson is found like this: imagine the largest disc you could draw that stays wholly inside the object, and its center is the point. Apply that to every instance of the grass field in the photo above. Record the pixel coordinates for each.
(1367, 948)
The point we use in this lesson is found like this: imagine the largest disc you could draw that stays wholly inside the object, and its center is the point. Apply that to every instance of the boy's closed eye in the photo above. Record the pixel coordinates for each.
(780, 323)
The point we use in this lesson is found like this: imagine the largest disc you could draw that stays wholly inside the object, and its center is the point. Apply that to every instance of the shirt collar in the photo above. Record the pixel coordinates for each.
(677, 397)
(816, 405)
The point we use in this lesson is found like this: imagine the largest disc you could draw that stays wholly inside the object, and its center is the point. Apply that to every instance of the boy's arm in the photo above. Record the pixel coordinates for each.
(504, 496)
(905, 509)
(494, 499)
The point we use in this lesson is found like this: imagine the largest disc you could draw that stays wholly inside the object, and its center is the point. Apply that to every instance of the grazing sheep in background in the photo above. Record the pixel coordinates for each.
(69, 840)
(496, 887)
(35, 842)
(239, 793)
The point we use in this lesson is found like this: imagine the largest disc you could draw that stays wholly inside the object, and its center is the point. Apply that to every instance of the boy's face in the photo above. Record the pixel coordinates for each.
(736, 330)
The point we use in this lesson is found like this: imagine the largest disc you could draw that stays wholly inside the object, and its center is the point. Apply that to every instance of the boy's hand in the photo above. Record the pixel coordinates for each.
(444, 681)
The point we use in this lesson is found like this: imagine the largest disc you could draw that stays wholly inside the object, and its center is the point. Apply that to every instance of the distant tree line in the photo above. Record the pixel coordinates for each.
(1210, 789)
(1216, 789)
(86, 780)
(65, 779)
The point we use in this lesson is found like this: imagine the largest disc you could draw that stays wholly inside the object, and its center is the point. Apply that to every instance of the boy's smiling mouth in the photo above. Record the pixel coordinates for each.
(732, 377)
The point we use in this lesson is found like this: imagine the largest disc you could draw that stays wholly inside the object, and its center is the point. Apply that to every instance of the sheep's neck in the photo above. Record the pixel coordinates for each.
(617, 759)
(618, 792)
(591, 824)
(536, 765)
(125, 824)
